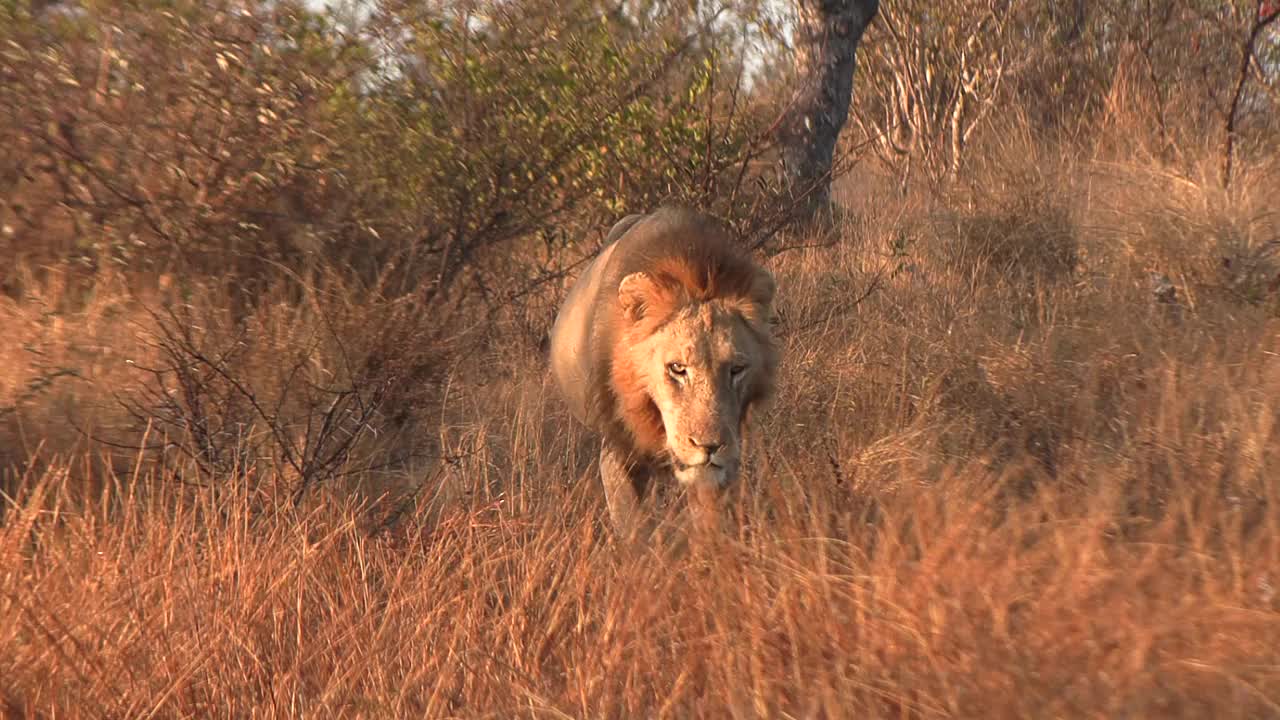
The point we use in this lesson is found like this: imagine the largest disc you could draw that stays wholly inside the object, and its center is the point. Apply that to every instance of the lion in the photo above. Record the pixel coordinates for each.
(663, 346)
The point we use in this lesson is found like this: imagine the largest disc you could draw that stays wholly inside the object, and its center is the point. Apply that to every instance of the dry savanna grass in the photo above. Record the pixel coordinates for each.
(1009, 473)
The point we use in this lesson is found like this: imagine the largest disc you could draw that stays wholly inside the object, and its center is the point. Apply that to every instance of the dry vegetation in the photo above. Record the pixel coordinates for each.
(1024, 462)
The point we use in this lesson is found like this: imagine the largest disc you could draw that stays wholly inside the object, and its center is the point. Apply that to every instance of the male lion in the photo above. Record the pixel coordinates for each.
(663, 346)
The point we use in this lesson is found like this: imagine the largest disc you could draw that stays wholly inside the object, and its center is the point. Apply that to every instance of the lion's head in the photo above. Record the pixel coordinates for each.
(696, 353)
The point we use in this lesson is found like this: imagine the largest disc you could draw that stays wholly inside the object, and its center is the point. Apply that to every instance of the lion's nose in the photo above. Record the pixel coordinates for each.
(709, 446)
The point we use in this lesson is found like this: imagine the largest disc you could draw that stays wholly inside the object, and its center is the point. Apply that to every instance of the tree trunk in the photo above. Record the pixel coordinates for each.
(827, 34)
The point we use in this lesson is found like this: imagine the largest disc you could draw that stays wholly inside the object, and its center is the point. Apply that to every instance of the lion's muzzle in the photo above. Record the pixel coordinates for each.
(713, 472)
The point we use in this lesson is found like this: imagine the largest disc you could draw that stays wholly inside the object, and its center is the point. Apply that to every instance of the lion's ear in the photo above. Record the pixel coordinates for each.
(763, 288)
(635, 293)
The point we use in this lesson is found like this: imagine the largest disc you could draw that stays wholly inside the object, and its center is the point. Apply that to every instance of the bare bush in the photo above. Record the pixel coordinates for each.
(932, 84)
(1105, 73)
(290, 397)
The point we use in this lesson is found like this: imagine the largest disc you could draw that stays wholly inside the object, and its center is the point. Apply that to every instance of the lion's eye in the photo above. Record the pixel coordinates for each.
(677, 370)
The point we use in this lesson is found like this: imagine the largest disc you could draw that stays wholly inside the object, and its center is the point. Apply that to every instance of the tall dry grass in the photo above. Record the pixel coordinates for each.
(1015, 479)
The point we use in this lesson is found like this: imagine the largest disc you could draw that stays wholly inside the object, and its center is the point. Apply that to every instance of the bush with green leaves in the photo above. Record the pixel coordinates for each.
(532, 120)
(244, 138)
(165, 135)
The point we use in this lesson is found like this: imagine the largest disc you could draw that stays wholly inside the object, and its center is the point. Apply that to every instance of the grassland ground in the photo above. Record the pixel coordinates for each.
(1023, 463)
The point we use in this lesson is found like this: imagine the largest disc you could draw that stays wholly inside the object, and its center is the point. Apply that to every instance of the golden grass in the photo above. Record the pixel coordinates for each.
(981, 493)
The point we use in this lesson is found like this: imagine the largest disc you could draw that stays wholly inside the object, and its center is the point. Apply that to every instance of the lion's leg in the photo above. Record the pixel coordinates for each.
(622, 488)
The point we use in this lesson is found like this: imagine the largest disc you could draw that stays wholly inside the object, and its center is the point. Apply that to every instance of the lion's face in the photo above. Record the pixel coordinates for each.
(701, 366)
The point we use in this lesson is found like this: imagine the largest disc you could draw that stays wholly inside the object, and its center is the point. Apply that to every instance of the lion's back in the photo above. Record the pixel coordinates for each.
(575, 336)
